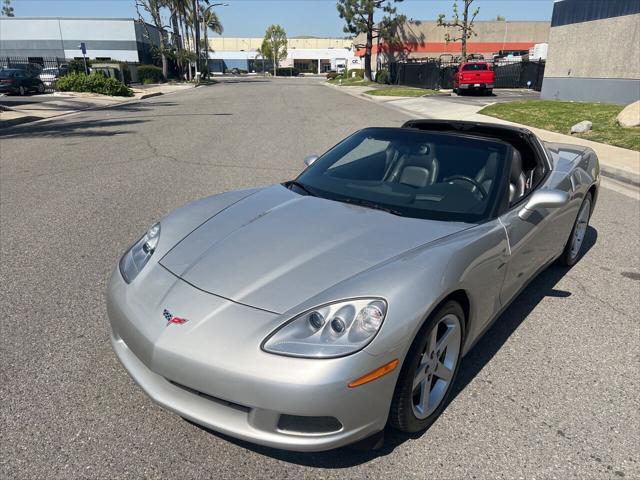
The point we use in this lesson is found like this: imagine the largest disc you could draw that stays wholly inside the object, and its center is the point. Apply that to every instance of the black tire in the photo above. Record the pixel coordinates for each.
(489, 92)
(40, 88)
(401, 414)
(569, 258)
(21, 91)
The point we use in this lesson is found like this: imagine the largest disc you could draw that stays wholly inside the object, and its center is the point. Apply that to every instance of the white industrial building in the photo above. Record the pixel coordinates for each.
(123, 39)
(311, 55)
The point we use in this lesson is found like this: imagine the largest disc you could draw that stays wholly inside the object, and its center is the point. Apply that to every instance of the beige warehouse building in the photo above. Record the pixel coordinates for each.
(425, 39)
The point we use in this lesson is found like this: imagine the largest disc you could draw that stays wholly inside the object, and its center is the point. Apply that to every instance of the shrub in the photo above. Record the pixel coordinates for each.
(332, 75)
(356, 72)
(94, 83)
(382, 76)
(150, 74)
(77, 65)
(287, 72)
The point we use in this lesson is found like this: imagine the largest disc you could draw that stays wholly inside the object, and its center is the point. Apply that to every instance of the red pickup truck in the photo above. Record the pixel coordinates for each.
(474, 76)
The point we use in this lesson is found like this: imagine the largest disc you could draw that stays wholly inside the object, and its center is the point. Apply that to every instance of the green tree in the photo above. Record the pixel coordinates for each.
(274, 45)
(464, 25)
(152, 7)
(7, 9)
(211, 22)
(359, 18)
(500, 18)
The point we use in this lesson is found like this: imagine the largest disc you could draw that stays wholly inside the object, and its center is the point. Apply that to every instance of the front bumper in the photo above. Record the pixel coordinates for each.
(234, 387)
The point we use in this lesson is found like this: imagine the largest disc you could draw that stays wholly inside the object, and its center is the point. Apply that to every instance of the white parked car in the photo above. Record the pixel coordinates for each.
(50, 75)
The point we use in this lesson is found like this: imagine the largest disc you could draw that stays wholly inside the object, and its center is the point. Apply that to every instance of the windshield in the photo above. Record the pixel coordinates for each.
(474, 66)
(442, 176)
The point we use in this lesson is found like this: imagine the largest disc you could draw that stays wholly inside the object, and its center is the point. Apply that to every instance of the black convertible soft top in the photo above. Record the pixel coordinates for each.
(473, 128)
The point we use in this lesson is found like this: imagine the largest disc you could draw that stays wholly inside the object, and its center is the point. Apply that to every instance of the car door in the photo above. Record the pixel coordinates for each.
(531, 242)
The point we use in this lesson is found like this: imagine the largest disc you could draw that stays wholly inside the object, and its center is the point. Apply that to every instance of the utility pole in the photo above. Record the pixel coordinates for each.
(196, 21)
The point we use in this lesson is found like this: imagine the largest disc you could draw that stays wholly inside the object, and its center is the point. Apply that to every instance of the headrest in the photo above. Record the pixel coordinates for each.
(516, 167)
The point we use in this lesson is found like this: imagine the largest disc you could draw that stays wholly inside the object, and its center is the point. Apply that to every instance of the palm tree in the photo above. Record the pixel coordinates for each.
(211, 22)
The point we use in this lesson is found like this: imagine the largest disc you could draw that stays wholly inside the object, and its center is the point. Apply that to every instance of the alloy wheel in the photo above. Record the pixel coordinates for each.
(21, 91)
(436, 366)
(580, 229)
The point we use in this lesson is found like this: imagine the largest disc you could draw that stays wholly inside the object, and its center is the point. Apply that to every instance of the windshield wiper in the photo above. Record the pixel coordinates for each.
(302, 186)
(372, 205)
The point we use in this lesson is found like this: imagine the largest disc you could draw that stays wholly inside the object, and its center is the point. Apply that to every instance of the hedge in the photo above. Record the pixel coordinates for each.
(356, 72)
(150, 74)
(287, 72)
(382, 76)
(93, 83)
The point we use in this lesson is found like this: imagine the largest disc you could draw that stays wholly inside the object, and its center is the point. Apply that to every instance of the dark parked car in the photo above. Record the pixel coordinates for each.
(19, 81)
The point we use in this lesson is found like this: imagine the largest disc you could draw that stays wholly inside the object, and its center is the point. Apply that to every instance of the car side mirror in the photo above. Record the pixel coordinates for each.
(310, 159)
(544, 199)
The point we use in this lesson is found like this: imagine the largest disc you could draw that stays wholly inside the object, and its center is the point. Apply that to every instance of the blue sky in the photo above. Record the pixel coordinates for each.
(249, 18)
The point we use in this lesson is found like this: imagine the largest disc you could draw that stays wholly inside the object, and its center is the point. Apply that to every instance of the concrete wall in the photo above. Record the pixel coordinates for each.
(596, 60)
(60, 37)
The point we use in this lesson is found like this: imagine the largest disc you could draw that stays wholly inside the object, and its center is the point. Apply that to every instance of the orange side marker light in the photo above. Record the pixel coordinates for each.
(375, 374)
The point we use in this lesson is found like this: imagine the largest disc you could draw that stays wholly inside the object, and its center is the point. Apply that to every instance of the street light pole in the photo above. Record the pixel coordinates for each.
(196, 21)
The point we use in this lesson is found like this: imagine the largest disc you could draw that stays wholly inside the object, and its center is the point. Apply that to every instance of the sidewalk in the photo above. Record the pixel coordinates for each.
(615, 162)
(65, 103)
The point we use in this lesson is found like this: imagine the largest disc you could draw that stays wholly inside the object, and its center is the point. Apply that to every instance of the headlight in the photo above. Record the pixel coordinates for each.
(134, 259)
(333, 330)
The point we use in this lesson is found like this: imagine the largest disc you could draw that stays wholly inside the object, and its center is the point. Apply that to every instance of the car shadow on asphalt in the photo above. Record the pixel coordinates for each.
(504, 326)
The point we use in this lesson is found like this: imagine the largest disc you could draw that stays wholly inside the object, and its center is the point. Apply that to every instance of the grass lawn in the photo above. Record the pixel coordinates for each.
(401, 92)
(351, 82)
(560, 116)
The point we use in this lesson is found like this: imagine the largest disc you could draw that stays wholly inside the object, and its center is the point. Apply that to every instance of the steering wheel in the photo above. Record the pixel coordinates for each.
(475, 183)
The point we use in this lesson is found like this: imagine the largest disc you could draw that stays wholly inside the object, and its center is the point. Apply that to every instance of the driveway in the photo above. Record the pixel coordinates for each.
(500, 95)
(550, 392)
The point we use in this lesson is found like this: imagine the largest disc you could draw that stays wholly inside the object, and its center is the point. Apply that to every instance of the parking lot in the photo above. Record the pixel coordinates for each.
(551, 391)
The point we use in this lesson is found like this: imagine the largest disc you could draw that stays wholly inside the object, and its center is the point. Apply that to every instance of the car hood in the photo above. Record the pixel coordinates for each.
(275, 248)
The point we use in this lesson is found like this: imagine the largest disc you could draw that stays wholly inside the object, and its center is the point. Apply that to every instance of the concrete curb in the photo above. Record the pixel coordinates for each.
(151, 95)
(623, 176)
(17, 121)
(38, 120)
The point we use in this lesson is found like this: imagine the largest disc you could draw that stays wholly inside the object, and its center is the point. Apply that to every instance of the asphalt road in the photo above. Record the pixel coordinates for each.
(550, 392)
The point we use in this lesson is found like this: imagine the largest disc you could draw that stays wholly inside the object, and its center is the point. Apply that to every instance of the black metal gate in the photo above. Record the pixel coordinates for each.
(438, 75)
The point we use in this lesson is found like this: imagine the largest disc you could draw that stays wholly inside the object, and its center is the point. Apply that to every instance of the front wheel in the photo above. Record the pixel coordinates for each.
(429, 370)
(41, 88)
(573, 247)
(21, 91)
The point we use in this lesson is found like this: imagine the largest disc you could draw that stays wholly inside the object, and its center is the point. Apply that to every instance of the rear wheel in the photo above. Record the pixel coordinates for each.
(574, 245)
(41, 88)
(429, 370)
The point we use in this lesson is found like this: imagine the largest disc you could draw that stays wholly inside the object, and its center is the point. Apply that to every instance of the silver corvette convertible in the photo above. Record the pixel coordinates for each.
(312, 314)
